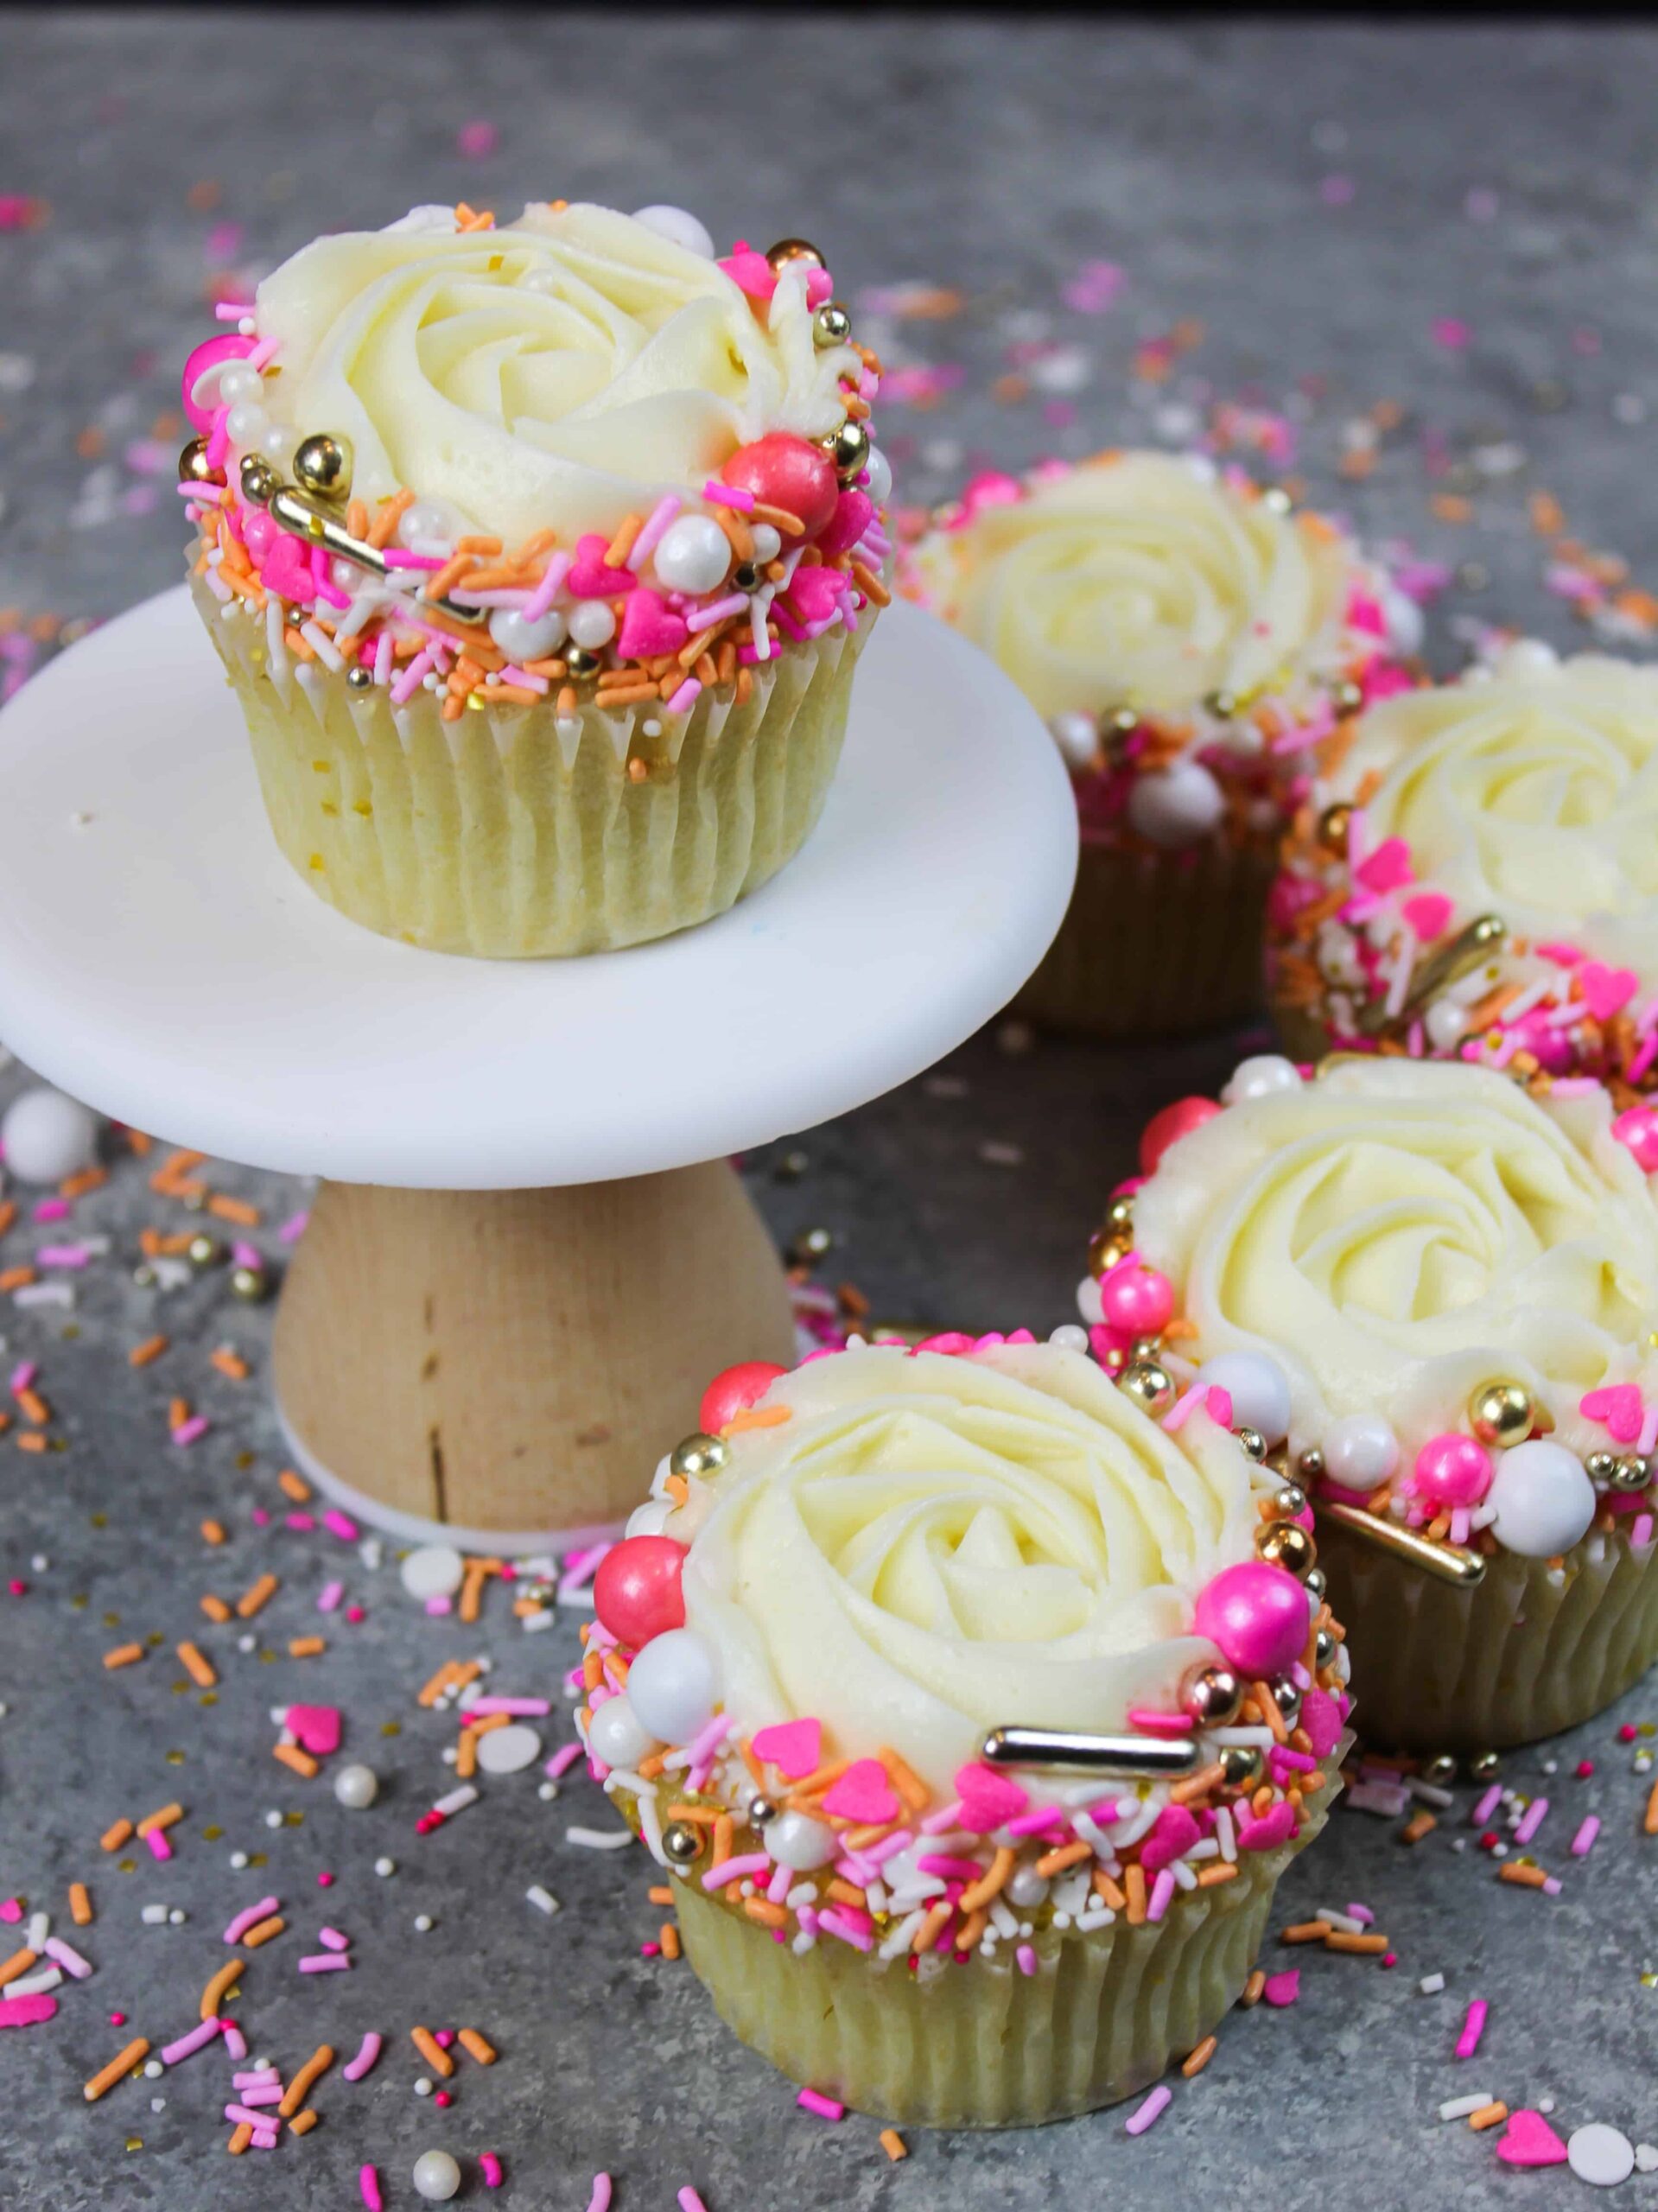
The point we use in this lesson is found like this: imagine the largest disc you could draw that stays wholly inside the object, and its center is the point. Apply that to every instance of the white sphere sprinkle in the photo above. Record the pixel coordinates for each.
(1261, 1076)
(47, 1136)
(592, 624)
(1258, 1389)
(1176, 805)
(673, 1684)
(693, 554)
(356, 1787)
(1541, 1499)
(679, 226)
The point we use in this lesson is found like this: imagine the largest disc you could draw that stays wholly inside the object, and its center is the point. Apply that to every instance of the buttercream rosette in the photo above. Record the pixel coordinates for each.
(1475, 869)
(540, 555)
(837, 1595)
(1431, 1294)
(1188, 637)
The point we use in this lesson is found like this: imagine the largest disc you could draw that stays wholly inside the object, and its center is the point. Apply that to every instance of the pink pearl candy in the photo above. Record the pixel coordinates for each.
(1140, 1300)
(1173, 1122)
(1453, 1469)
(734, 1389)
(1638, 1129)
(229, 345)
(636, 1591)
(786, 472)
(1257, 1615)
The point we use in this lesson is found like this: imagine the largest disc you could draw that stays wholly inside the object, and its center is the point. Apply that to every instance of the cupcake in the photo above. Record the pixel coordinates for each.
(1431, 1294)
(539, 557)
(1187, 638)
(1475, 872)
(831, 1659)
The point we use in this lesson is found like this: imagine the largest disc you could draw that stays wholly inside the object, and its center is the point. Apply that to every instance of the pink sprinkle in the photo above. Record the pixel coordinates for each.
(650, 1950)
(600, 2200)
(1162, 1896)
(187, 2045)
(341, 1525)
(655, 526)
(1473, 2028)
(293, 1228)
(490, 2166)
(686, 698)
(159, 1847)
(526, 1708)
(26, 2012)
(355, 1613)
(243, 1254)
(1362, 1914)
(1486, 1806)
(561, 1760)
(235, 2044)
(442, 2098)
(118, 2019)
(325, 1881)
(368, 2181)
(251, 1917)
(326, 1962)
(328, 1597)
(1024, 1957)
(1282, 1989)
(11, 1911)
(476, 140)
(368, 2051)
(332, 1940)
(736, 1870)
(1451, 331)
(728, 495)
(1180, 1411)
(188, 1432)
(1536, 1813)
(67, 1957)
(1582, 1842)
(23, 1375)
(52, 1210)
(1143, 2114)
(825, 2108)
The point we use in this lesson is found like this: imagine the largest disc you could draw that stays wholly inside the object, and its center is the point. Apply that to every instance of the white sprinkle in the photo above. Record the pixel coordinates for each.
(543, 1900)
(384, 1867)
(154, 1915)
(423, 2086)
(1459, 2107)
(457, 1800)
(599, 1839)
(176, 1918)
(157, 2104)
(1646, 2157)
(238, 1860)
(1599, 2154)
(35, 1984)
(153, 2069)
(40, 1927)
(423, 1924)
(1430, 1984)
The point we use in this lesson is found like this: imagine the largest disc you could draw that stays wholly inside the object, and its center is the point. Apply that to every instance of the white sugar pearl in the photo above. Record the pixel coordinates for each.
(508, 1750)
(693, 554)
(1258, 1389)
(1176, 805)
(522, 640)
(246, 424)
(1077, 738)
(798, 1840)
(433, 1570)
(592, 624)
(768, 543)
(651, 1518)
(1026, 1888)
(47, 1136)
(436, 2176)
(1528, 657)
(424, 1923)
(276, 441)
(1542, 1499)
(1260, 1077)
(878, 474)
(356, 1787)
(238, 1860)
(427, 520)
(1445, 1022)
(673, 1683)
(614, 1735)
(1088, 1303)
(1599, 2154)
(679, 226)
(1360, 1450)
(1404, 619)
(237, 382)
(384, 1867)
(1069, 1337)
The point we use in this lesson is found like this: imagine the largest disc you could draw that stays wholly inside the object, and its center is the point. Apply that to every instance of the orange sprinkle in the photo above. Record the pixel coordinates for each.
(756, 1417)
(1304, 1931)
(255, 1599)
(660, 1894)
(1649, 1823)
(904, 1778)
(760, 1909)
(990, 1884)
(152, 1348)
(217, 1991)
(1418, 1826)
(1212, 1876)
(306, 1647)
(197, 1665)
(1252, 1988)
(1199, 2058)
(15, 1278)
(30, 1439)
(477, 2046)
(622, 544)
(1487, 2116)
(115, 1836)
(264, 1931)
(871, 585)
(390, 515)
(294, 1486)
(722, 1834)
(1067, 1855)
(1106, 1890)
(432, 2051)
(240, 2136)
(1526, 1877)
(668, 1935)
(235, 1210)
(301, 2123)
(80, 1904)
(178, 1412)
(215, 1608)
(893, 2143)
(19, 1963)
(297, 1761)
(117, 2070)
(124, 1655)
(1134, 1883)
(302, 2083)
(1367, 1945)
(930, 1929)
(34, 1408)
(466, 1755)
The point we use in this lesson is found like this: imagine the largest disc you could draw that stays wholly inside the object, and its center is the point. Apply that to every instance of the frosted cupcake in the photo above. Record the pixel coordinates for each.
(1432, 1296)
(539, 557)
(1476, 872)
(1188, 638)
(828, 1662)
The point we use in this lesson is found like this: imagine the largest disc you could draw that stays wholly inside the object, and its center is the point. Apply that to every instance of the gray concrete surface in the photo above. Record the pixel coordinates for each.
(1318, 198)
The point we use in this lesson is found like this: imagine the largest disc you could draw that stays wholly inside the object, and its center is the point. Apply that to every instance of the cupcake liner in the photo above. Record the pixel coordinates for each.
(1518, 1656)
(496, 835)
(984, 2045)
(1155, 944)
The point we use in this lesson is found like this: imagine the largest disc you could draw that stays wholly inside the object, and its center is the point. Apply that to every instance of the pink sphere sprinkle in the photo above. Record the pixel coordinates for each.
(1453, 1469)
(784, 471)
(1257, 1614)
(636, 1591)
(1627, 1733)
(356, 1613)
(734, 1389)
(228, 346)
(1138, 1299)
(1173, 1122)
(1638, 1129)
(118, 2019)
(325, 1881)
(1583, 1768)
(443, 2097)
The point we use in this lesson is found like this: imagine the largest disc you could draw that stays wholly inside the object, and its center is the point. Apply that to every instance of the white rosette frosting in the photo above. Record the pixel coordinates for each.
(1530, 792)
(1397, 1232)
(1147, 581)
(932, 1545)
(559, 371)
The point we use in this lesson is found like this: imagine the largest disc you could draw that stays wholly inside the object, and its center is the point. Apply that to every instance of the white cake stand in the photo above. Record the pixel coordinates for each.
(527, 1256)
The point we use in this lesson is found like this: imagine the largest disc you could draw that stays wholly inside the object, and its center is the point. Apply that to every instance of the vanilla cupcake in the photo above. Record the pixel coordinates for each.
(539, 557)
(1187, 638)
(815, 1654)
(1432, 1297)
(1475, 871)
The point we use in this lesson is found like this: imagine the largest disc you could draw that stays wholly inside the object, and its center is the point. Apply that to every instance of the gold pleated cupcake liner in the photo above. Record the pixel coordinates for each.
(983, 2044)
(497, 835)
(1522, 1655)
(1155, 945)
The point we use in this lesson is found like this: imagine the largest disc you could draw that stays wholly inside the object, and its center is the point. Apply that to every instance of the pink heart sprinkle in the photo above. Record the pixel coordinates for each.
(1321, 1718)
(443, 2037)
(816, 592)
(988, 1799)
(854, 512)
(1529, 2140)
(1616, 1404)
(864, 1795)
(588, 577)
(794, 1747)
(1283, 1989)
(649, 627)
(1428, 912)
(1607, 991)
(1387, 868)
(1173, 1834)
(315, 1728)
(750, 271)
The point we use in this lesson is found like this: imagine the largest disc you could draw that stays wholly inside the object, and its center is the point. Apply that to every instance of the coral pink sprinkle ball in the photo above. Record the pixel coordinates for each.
(734, 1390)
(786, 472)
(1257, 1614)
(1453, 1470)
(1177, 1120)
(1638, 1129)
(636, 1592)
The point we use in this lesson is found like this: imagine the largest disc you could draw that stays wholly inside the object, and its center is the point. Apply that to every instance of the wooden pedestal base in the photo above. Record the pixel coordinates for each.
(515, 1362)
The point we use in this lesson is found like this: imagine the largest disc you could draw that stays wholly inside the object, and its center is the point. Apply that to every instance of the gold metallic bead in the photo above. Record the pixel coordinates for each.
(1288, 1698)
(699, 1455)
(259, 478)
(194, 468)
(1484, 1766)
(1120, 1214)
(205, 1251)
(1149, 1385)
(1501, 1413)
(682, 1842)
(1105, 1248)
(579, 660)
(1290, 1502)
(249, 1284)
(1600, 1466)
(359, 679)
(787, 249)
(1332, 826)
(1253, 1443)
(1311, 1465)
(1145, 1348)
(1221, 705)
(1242, 1766)
(831, 325)
(761, 1811)
(1441, 1770)
(1211, 1695)
(1631, 1473)
(1287, 1544)
(322, 465)
(849, 449)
